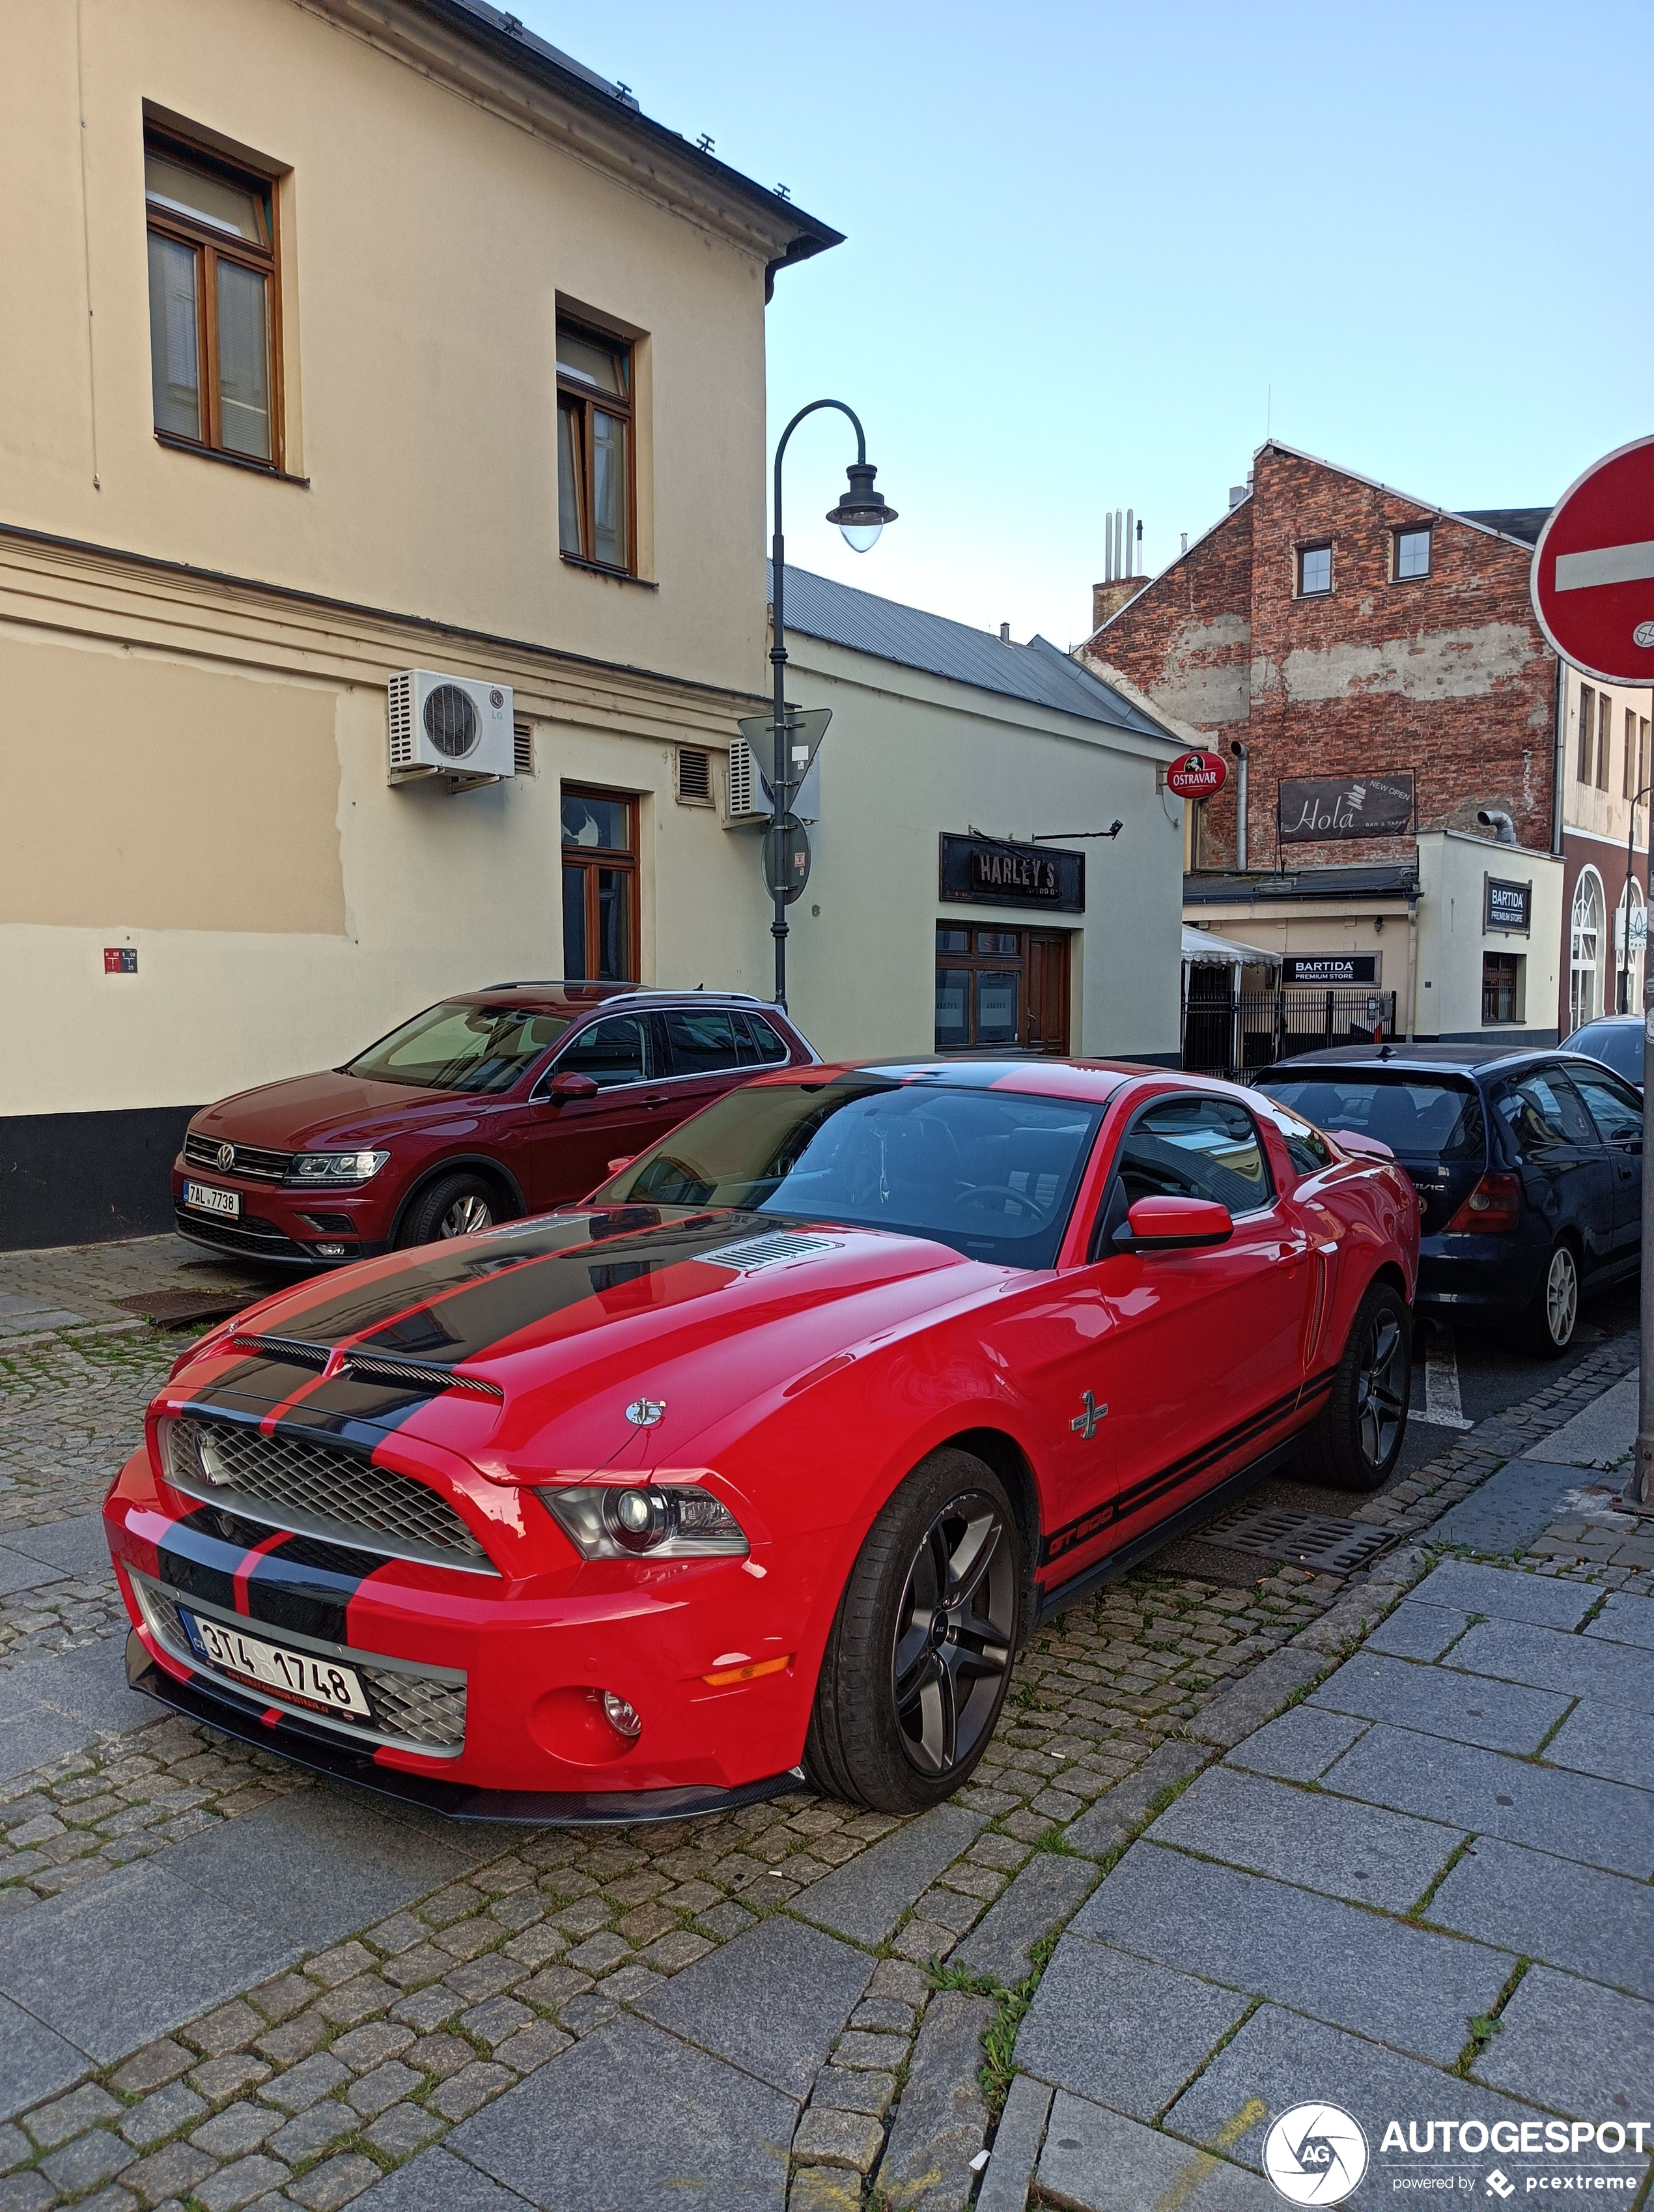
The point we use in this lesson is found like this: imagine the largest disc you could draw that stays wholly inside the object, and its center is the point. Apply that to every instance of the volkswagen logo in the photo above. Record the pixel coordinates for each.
(226, 1158)
(644, 1412)
(1315, 2154)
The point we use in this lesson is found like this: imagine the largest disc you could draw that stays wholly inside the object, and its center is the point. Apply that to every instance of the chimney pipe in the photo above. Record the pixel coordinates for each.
(1004, 632)
(1239, 753)
(1126, 569)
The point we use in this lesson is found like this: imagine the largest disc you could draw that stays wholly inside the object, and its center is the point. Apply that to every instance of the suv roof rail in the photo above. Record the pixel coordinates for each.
(635, 991)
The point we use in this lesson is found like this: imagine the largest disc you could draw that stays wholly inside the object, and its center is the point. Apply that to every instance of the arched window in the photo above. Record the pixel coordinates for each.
(1629, 966)
(1585, 950)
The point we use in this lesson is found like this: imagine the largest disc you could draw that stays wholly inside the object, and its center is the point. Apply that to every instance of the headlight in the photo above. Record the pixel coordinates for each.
(655, 1521)
(335, 1167)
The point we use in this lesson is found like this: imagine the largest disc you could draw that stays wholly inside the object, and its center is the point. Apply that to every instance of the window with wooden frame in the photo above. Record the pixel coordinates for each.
(1001, 989)
(1587, 730)
(1314, 571)
(600, 886)
(1412, 554)
(596, 493)
(214, 305)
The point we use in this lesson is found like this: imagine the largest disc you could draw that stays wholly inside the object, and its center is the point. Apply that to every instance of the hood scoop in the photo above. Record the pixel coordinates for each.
(363, 1366)
(758, 1252)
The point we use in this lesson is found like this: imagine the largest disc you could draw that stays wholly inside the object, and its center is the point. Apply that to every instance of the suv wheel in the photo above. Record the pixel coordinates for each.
(917, 1667)
(454, 1206)
(1356, 1439)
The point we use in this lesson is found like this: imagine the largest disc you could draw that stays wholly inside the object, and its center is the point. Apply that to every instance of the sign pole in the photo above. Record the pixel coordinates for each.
(1639, 1488)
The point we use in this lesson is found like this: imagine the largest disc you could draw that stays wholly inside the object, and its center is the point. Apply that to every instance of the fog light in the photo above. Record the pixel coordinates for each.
(621, 1716)
(330, 1251)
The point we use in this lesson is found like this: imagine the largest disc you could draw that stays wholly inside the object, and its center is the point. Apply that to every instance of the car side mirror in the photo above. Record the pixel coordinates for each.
(614, 1166)
(1173, 1225)
(569, 1085)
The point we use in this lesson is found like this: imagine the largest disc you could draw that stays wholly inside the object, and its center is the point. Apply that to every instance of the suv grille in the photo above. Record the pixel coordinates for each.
(252, 1161)
(291, 1483)
(421, 1710)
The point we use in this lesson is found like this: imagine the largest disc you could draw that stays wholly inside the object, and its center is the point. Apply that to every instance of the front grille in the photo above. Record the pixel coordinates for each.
(424, 1711)
(249, 1234)
(250, 1160)
(291, 1483)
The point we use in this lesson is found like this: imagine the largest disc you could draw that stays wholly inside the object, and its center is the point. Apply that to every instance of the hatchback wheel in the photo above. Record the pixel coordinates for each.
(1554, 1313)
(1357, 1438)
(454, 1206)
(918, 1661)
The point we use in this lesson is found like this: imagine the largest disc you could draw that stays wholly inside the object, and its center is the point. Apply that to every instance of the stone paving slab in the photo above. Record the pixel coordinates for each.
(1508, 1511)
(1017, 2139)
(1040, 1899)
(112, 1966)
(771, 2001)
(88, 1685)
(1299, 1746)
(73, 1546)
(1576, 1666)
(633, 2120)
(1606, 1740)
(19, 1571)
(1356, 1969)
(1626, 1620)
(39, 2061)
(1121, 1811)
(1120, 2028)
(1256, 1697)
(1499, 1716)
(35, 1736)
(866, 1898)
(437, 2181)
(942, 2119)
(1418, 1631)
(1572, 2047)
(1486, 1793)
(1368, 1856)
(1103, 2162)
(1601, 1434)
(1600, 1925)
(1544, 1599)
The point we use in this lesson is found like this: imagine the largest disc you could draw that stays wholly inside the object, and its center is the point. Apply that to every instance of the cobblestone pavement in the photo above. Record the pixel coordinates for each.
(223, 1983)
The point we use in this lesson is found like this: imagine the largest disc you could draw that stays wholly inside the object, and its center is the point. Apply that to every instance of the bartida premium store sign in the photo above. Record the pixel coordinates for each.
(992, 871)
(1314, 809)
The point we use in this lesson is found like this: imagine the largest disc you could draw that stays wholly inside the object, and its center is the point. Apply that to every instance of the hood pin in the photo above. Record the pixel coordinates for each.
(644, 1412)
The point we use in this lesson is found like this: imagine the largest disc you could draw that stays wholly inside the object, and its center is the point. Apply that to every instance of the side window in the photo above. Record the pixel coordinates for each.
(1542, 1111)
(701, 1043)
(1194, 1148)
(611, 1052)
(1306, 1148)
(767, 1048)
(1614, 1107)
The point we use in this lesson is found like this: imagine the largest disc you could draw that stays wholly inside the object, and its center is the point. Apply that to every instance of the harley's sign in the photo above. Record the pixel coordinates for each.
(1314, 809)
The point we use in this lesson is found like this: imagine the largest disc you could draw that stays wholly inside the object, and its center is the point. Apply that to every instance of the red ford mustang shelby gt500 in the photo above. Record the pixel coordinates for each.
(759, 1463)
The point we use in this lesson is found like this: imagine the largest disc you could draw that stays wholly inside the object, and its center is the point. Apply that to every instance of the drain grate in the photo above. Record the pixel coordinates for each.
(178, 1308)
(1308, 1540)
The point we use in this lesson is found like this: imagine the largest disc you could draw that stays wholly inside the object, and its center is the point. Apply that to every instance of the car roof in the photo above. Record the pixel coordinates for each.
(1032, 1074)
(1417, 1059)
(1600, 1022)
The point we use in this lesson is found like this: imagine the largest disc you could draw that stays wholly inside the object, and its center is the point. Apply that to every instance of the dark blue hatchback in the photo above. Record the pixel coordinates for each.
(1528, 1168)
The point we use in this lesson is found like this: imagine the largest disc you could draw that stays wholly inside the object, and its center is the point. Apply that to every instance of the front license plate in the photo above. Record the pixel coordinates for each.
(207, 1199)
(299, 1673)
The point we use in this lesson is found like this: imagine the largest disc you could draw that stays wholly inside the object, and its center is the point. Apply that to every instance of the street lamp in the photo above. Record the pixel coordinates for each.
(861, 514)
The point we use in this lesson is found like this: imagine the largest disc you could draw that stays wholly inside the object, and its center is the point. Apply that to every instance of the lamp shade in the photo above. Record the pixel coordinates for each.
(861, 514)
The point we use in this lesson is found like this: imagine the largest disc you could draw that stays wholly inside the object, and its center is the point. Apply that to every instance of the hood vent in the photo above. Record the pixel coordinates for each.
(775, 1251)
(367, 1366)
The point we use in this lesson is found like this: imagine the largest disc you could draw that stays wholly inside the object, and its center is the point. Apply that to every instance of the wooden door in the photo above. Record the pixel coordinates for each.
(1046, 1017)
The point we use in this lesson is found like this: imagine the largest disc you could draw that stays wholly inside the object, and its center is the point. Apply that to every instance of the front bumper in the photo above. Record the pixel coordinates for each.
(286, 1227)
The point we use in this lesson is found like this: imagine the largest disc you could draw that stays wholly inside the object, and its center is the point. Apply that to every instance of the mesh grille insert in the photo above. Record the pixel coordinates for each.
(355, 1499)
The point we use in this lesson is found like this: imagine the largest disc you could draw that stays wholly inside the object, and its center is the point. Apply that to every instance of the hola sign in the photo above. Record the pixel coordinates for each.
(1593, 569)
(1197, 776)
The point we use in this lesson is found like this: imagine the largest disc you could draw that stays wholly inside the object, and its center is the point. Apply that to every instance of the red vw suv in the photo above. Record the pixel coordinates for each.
(506, 1101)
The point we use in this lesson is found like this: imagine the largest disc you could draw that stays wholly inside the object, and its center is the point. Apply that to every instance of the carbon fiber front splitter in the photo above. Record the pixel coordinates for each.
(454, 1801)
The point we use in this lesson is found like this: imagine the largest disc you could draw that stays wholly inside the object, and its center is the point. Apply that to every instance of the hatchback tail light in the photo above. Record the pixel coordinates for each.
(1494, 1207)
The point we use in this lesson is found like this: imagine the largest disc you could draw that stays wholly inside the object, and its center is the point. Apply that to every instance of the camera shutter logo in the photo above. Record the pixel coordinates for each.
(1315, 2154)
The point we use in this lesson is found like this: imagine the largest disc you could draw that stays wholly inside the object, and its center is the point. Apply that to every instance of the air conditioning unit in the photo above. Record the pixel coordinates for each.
(749, 803)
(450, 726)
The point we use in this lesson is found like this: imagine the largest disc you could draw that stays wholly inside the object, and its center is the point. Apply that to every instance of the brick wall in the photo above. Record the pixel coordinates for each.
(1445, 675)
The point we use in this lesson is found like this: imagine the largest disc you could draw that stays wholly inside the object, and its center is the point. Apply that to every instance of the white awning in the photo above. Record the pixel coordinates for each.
(1205, 947)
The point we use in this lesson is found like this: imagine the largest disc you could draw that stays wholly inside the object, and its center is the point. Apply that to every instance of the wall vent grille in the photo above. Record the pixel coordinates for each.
(694, 776)
(523, 747)
(402, 720)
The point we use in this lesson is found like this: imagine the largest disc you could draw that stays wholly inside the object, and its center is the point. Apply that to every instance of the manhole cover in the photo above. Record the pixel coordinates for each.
(177, 1308)
(1308, 1540)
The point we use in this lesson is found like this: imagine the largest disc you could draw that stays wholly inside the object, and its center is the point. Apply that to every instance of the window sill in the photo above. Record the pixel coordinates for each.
(175, 445)
(599, 568)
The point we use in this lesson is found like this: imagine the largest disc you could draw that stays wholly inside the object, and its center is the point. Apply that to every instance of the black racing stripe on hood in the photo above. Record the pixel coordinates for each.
(354, 1414)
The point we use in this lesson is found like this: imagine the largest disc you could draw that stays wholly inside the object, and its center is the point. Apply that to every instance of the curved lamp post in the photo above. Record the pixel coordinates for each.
(861, 514)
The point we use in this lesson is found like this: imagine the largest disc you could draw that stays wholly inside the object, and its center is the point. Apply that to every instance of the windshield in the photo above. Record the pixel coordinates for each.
(1617, 1045)
(1420, 1117)
(456, 1047)
(991, 1173)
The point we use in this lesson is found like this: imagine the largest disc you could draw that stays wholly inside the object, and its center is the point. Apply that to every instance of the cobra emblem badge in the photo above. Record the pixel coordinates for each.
(644, 1412)
(226, 1158)
(1087, 1422)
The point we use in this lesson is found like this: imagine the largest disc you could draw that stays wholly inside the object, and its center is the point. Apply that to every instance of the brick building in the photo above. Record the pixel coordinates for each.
(1398, 733)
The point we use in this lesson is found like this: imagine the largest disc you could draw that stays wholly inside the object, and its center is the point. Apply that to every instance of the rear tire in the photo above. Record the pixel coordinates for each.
(918, 1661)
(1357, 1438)
(1553, 1315)
(454, 1206)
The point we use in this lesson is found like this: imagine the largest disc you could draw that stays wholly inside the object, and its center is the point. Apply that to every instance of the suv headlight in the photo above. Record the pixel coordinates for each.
(653, 1521)
(335, 1167)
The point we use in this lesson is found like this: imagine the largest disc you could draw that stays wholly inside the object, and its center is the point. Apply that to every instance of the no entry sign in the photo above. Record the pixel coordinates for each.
(1593, 569)
(1197, 776)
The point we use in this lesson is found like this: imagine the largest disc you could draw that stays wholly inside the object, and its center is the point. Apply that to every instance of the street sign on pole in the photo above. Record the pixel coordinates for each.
(786, 858)
(1593, 592)
(805, 728)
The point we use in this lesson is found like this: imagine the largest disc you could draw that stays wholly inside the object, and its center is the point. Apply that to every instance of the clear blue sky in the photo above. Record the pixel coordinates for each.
(1083, 243)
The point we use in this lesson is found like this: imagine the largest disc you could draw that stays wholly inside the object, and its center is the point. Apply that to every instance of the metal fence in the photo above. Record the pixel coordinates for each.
(1234, 1034)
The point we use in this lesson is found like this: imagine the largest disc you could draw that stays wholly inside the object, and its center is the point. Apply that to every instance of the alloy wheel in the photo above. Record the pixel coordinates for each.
(1381, 1390)
(953, 1640)
(1561, 1296)
(466, 1216)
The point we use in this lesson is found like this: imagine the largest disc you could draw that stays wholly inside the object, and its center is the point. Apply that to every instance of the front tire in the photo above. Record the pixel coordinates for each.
(918, 1661)
(1554, 1313)
(1357, 1438)
(454, 1206)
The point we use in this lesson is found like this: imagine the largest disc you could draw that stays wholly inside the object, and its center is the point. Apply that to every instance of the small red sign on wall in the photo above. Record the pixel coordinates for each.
(120, 959)
(1197, 776)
